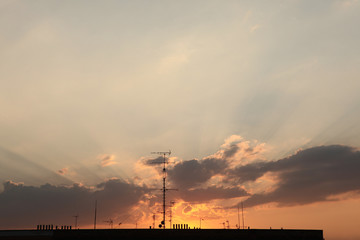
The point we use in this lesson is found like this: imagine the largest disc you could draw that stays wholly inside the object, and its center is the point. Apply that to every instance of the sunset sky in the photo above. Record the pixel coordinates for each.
(258, 101)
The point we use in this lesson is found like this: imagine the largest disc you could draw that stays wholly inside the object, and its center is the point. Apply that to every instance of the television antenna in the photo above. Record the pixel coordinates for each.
(164, 189)
(110, 222)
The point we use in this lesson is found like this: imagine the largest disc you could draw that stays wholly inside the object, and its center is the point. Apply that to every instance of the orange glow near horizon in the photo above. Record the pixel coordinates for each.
(327, 216)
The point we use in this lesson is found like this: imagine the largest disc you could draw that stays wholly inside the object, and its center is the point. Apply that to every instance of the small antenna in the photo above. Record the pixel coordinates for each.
(242, 213)
(76, 220)
(223, 223)
(95, 214)
(200, 221)
(238, 225)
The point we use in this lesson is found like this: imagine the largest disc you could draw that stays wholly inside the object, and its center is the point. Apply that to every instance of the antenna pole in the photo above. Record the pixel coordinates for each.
(242, 213)
(95, 214)
(164, 191)
(170, 216)
(76, 220)
(164, 185)
(238, 217)
(200, 222)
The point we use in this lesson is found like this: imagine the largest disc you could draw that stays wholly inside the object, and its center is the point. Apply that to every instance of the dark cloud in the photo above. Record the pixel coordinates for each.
(119, 195)
(211, 193)
(187, 209)
(63, 171)
(27, 206)
(310, 175)
(155, 161)
(249, 172)
(231, 151)
(194, 172)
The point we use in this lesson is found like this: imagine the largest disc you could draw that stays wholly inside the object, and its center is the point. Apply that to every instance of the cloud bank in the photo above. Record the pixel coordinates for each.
(233, 173)
(27, 206)
(310, 175)
(194, 172)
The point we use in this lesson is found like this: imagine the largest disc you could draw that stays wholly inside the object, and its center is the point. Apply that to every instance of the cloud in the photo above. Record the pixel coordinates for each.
(249, 172)
(107, 160)
(27, 206)
(155, 161)
(310, 175)
(237, 150)
(187, 209)
(192, 173)
(212, 193)
(254, 28)
(238, 169)
(63, 171)
(234, 151)
(15, 166)
(347, 3)
(177, 55)
(231, 151)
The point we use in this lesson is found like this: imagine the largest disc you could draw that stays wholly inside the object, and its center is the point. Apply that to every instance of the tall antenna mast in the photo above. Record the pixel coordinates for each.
(164, 189)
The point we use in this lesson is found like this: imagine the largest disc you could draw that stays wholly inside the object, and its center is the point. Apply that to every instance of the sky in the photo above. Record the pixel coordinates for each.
(257, 100)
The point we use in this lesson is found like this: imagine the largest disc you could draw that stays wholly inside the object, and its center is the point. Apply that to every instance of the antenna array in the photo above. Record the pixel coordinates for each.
(164, 189)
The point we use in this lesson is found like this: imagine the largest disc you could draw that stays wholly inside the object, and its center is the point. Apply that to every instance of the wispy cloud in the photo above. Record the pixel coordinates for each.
(255, 28)
(107, 160)
(347, 3)
(63, 171)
